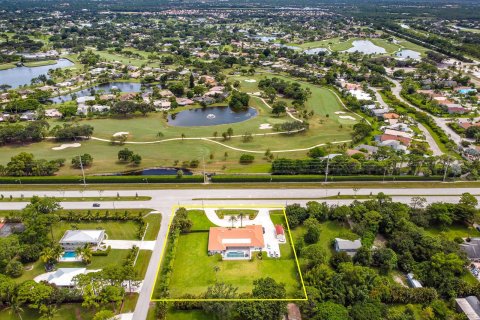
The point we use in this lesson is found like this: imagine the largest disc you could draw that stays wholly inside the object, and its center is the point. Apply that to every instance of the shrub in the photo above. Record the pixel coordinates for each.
(246, 158)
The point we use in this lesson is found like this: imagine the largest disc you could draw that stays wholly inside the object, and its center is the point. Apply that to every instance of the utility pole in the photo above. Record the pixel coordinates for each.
(83, 173)
(446, 169)
(326, 169)
(204, 175)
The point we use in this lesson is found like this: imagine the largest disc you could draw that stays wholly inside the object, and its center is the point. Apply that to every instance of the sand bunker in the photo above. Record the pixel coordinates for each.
(347, 117)
(251, 80)
(340, 112)
(121, 133)
(67, 145)
(265, 126)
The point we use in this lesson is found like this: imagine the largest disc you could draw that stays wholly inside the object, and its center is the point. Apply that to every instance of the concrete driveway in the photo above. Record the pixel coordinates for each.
(128, 244)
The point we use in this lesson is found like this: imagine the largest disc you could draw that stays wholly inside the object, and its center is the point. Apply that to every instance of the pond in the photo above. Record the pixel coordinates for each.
(408, 54)
(106, 88)
(265, 38)
(19, 76)
(209, 116)
(315, 50)
(366, 47)
(169, 171)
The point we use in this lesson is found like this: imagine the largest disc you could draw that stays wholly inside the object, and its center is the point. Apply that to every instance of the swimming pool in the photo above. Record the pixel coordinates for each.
(236, 254)
(467, 91)
(69, 254)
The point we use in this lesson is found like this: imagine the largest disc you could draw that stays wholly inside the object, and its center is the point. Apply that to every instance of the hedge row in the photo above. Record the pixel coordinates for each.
(317, 178)
(100, 179)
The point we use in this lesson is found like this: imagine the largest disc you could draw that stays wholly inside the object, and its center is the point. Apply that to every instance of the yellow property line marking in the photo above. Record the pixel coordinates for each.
(273, 206)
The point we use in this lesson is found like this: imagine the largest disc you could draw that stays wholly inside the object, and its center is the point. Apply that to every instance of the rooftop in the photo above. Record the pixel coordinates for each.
(83, 236)
(220, 238)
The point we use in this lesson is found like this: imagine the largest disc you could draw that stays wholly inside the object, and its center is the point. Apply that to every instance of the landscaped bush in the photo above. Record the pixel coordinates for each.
(246, 158)
(101, 179)
(317, 178)
(100, 253)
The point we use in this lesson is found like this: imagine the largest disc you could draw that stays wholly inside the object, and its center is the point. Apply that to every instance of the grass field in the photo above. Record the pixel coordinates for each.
(454, 231)
(199, 220)
(192, 251)
(116, 230)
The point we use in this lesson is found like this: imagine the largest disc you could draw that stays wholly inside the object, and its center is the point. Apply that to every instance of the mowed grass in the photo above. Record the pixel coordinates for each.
(193, 270)
(199, 220)
(116, 230)
(187, 315)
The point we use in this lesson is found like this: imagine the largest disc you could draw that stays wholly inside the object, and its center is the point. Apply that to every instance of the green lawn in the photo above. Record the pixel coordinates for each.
(221, 213)
(153, 221)
(200, 220)
(142, 262)
(116, 230)
(193, 269)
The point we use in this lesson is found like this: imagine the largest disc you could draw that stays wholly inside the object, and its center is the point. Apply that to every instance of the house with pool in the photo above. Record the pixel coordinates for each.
(235, 243)
(73, 239)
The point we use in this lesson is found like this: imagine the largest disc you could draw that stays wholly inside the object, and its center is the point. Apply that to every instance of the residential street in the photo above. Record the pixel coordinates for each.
(164, 200)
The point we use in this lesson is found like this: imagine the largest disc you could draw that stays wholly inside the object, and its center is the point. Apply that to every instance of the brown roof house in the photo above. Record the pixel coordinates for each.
(235, 243)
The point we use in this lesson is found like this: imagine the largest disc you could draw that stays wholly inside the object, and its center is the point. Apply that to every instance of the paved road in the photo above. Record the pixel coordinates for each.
(163, 200)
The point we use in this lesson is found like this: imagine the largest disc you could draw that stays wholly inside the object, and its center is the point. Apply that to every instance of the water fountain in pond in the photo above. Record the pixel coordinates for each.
(211, 116)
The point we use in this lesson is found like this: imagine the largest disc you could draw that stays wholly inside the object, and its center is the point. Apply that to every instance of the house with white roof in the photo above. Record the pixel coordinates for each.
(63, 277)
(73, 239)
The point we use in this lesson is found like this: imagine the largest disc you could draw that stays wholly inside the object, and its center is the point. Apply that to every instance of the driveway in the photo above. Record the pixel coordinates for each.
(128, 244)
(271, 247)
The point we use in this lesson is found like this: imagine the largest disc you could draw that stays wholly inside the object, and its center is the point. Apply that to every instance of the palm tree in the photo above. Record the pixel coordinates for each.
(241, 215)
(46, 255)
(85, 253)
(232, 219)
(16, 307)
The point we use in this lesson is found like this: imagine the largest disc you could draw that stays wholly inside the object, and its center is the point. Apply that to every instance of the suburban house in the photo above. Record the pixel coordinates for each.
(72, 239)
(412, 282)
(62, 277)
(235, 243)
(350, 247)
(280, 233)
(472, 248)
(470, 306)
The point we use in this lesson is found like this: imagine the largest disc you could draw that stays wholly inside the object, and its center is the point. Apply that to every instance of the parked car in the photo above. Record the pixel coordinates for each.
(96, 205)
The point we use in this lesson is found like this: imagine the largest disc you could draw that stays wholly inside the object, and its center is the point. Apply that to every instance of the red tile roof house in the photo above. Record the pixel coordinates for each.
(235, 243)
(405, 141)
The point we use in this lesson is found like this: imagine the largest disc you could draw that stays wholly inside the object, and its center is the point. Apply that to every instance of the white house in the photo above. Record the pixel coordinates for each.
(72, 239)
(62, 277)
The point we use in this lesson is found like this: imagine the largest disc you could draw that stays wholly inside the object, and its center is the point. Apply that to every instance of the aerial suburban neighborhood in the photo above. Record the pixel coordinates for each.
(239, 160)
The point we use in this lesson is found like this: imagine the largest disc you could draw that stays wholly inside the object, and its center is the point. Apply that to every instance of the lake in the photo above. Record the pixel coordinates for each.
(106, 88)
(19, 76)
(408, 54)
(156, 172)
(366, 47)
(209, 117)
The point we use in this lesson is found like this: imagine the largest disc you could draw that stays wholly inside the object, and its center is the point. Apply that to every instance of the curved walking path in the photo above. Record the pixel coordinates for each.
(212, 140)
